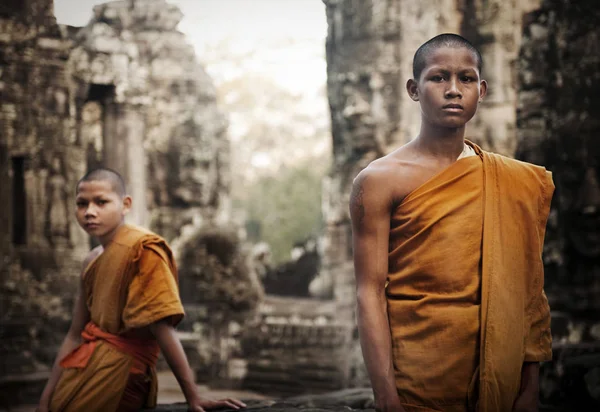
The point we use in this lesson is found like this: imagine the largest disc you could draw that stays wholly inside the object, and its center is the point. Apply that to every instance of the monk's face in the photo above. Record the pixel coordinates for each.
(449, 88)
(100, 210)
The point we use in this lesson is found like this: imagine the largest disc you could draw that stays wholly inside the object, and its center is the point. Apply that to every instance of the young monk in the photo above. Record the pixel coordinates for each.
(126, 311)
(447, 253)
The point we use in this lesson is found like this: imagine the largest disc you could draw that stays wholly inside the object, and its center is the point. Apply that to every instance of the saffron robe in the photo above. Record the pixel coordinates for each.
(465, 280)
(132, 284)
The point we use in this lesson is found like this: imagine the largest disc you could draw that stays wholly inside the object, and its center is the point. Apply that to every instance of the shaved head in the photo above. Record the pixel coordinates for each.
(442, 40)
(106, 175)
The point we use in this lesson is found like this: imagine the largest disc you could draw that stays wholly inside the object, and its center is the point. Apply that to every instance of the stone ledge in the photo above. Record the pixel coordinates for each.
(360, 399)
(347, 400)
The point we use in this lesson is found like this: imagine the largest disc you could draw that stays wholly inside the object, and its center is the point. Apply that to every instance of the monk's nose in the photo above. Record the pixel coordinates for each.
(91, 210)
(453, 90)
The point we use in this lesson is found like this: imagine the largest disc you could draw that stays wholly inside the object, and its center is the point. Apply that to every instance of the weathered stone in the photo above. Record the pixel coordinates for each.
(125, 92)
(559, 93)
(359, 399)
(41, 246)
(308, 404)
(221, 292)
(292, 348)
(161, 106)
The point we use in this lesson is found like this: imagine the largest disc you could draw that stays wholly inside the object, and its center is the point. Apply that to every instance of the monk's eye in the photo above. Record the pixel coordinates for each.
(467, 79)
(81, 204)
(437, 78)
(102, 202)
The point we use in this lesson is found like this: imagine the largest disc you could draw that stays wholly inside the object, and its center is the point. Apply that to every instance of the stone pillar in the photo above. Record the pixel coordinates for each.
(495, 29)
(136, 170)
(123, 151)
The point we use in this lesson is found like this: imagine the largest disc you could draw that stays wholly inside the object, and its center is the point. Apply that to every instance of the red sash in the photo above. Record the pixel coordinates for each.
(144, 351)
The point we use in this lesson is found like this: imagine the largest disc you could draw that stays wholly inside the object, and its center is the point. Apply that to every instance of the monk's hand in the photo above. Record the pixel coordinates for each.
(389, 405)
(201, 405)
(526, 402)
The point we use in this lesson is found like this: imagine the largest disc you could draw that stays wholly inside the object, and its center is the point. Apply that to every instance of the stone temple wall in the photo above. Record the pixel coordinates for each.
(40, 162)
(126, 92)
(138, 80)
(558, 127)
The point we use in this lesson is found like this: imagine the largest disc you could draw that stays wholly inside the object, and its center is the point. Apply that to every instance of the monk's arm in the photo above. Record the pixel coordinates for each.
(528, 398)
(173, 351)
(174, 354)
(370, 214)
(538, 348)
(81, 317)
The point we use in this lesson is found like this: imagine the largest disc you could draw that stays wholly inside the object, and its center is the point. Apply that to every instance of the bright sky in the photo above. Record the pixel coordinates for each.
(207, 22)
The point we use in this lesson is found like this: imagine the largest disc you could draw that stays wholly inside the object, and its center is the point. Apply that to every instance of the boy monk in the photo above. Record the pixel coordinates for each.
(126, 310)
(447, 253)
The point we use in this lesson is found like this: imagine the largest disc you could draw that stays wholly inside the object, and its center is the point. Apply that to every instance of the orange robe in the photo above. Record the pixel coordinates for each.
(448, 247)
(132, 284)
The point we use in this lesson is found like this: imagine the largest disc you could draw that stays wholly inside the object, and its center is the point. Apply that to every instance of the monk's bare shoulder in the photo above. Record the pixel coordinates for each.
(93, 254)
(379, 186)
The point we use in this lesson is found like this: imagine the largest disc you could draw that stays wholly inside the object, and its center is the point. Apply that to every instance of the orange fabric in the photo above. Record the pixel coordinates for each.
(433, 288)
(465, 286)
(515, 315)
(132, 284)
(144, 350)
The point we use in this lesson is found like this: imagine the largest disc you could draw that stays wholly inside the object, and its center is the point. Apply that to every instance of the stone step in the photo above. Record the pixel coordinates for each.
(22, 388)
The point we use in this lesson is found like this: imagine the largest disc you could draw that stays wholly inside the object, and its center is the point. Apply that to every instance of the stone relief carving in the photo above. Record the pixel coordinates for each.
(57, 216)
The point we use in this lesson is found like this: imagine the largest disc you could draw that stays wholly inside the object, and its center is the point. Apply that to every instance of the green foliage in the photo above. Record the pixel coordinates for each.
(285, 208)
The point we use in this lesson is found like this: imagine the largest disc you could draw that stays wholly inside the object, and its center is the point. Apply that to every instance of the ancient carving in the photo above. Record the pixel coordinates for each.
(162, 93)
(216, 272)
(219, 288)
(557, 129)
(57, 217)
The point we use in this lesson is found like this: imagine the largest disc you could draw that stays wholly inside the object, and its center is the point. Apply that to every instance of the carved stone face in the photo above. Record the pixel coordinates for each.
(196, 178)
(192, 176)
(358, 121)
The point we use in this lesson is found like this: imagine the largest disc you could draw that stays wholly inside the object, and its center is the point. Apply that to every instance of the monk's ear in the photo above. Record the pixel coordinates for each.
(412, 89)
(482, 90)
(126, 204)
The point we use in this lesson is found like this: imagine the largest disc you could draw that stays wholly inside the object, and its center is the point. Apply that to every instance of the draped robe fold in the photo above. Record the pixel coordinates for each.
(132, 284)
(465, 293)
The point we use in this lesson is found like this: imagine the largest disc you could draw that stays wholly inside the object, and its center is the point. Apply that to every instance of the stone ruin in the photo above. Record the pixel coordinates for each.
(221, 293)
(558, 127)
(42, 248)
(125, 92)
(145, 106)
